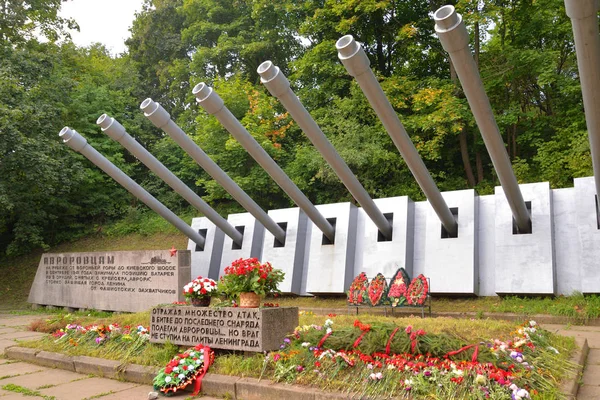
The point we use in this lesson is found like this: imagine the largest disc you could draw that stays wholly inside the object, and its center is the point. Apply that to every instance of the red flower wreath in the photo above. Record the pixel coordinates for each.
(377, 288)
(357, 294)
(398, 285)
(416, 294)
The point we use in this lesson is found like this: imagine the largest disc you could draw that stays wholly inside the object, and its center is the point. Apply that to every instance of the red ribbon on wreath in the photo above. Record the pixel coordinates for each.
(207, 362)
(323, 339)
(389, 343)
(364, 328)
(465, 348)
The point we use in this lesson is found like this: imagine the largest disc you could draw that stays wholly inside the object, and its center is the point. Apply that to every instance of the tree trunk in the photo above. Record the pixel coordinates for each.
(479, 166)
(464, 153)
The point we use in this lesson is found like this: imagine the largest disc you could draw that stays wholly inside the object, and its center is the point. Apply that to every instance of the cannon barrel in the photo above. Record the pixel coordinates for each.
(78, 143)
(116, 131)
(279, 86)
(584, 18)
(213, 104)
(162, 120)
(358, 65)
(453, 34)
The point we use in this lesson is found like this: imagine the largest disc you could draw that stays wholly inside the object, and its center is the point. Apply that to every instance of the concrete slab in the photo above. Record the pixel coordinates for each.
(23, 335)
(15, 396)
(37, 380)
(593, 357)
(206, 261)
(22, 353)
(137, 392)
(253, 233)
(5, 330)
(592, 337)
(85, 388)
(586, 392)
(19, 368)
(591, 375)
(290, 256)
(524, 263)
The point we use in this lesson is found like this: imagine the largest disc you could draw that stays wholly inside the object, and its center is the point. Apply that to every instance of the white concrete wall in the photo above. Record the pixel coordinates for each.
(561, 256)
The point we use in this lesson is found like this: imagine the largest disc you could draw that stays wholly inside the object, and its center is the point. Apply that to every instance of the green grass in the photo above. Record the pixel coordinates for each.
(25, 392)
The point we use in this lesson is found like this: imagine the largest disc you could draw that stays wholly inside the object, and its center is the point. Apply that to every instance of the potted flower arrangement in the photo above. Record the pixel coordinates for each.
(199, 291)
(250, 279)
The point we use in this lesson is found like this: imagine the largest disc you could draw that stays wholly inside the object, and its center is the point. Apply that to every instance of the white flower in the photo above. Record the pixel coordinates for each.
(458, 372)
(190, 367)
(328, 322)
(328, 330)
(552, 349)
(513, 387)
(532, 323)
(192, 354)
(198, 361)
(519, 359)
(168, 379)
(408, 382)
(379, 375)
(181, 361)
(480, 379)
(390, 366)
(181, 376)
(522, 393)
(176, 369)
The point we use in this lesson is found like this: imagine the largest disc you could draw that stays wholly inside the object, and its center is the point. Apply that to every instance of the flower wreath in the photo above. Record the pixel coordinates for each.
(416, 294)
(184, 369)
(377, 288)
(357, 294)
(398, 286)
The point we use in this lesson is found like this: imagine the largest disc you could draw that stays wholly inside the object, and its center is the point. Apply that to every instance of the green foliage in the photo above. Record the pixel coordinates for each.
(49, 194)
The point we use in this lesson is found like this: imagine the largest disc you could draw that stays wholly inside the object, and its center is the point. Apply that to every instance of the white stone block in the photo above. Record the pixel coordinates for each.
(451, 262)
(330, 266)
(589, 235)
(373, 254)
(566, 240)
(525, 262)
(289, 256)
(251, 247)
(487, 245)
(206, 262)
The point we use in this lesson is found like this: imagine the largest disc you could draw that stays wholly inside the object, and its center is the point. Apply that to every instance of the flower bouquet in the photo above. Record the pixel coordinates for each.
(184, 369)
(250, 279)
(199, 291)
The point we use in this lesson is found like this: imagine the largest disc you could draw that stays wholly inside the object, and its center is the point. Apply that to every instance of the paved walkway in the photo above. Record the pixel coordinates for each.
(590, 390)
(66, 385)
(52, 383)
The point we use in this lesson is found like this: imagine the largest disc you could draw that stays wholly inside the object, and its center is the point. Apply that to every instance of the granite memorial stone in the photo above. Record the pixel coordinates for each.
(233, 328)
(113, 281)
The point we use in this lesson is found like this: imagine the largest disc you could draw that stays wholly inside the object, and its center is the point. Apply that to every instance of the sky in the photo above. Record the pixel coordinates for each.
(104, 21)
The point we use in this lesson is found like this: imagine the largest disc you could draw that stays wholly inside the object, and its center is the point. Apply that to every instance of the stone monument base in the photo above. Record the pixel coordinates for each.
(232, 328)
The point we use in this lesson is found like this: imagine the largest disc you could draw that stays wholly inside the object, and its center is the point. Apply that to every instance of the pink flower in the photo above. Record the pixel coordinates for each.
(408, 329)
(276, 357)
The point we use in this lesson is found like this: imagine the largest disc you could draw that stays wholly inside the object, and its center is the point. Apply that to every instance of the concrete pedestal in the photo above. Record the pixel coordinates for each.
(206, 261)
(589, 235)
(330, 266)
(451, 262)
(524, 263)
(374, 253)
(253, 232)
(289, 256)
